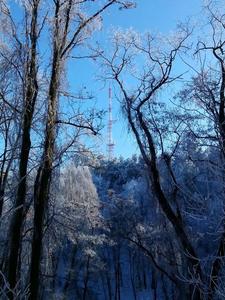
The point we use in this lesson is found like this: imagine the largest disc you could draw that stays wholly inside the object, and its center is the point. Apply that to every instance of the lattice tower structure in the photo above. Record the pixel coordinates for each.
(111, 144)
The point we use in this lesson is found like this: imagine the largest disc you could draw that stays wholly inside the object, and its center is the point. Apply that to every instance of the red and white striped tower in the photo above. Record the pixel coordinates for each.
(110, 145)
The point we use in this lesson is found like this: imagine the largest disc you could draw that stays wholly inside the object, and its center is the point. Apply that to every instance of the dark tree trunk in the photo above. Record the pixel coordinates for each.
(70, 272)
(150, 158)
(216, 266)
(86, 279)
(30, 99)
(41, 195)
(132, 274)
(43, 178)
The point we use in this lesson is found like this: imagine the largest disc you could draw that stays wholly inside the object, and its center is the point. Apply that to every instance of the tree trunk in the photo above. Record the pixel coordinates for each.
(43, 178)
(86, 279)
(70, 272)
(151, 162)
(30, 100)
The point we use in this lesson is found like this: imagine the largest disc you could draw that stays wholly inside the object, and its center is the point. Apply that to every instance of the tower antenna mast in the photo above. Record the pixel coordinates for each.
(110, 145)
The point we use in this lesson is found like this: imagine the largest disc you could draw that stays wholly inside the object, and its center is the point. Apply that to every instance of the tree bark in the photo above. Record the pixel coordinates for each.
(151, 162)
(30, 100)
(43, 178)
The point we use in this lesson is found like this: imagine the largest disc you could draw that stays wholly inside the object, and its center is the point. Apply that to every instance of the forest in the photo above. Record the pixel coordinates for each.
(77, 223)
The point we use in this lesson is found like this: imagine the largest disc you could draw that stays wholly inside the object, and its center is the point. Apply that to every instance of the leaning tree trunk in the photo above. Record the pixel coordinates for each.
(154, 175)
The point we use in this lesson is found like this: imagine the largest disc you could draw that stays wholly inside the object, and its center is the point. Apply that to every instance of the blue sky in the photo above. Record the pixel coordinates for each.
(150, 15)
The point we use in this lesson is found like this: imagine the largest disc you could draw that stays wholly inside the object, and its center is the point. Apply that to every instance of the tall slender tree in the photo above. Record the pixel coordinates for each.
(138, 109)
(70, 28)
(30, 92)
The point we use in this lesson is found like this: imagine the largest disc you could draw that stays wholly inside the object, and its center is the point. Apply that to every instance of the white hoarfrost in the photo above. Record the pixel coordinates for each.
(78, 204)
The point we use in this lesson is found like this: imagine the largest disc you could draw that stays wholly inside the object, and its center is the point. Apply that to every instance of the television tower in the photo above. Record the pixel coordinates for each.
(110, 145)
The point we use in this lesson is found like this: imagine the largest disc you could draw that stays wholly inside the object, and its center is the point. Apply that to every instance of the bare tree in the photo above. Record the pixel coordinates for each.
(30, 92)
(207, 92)
(138, 103)
(70, 28)
(9, 121)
